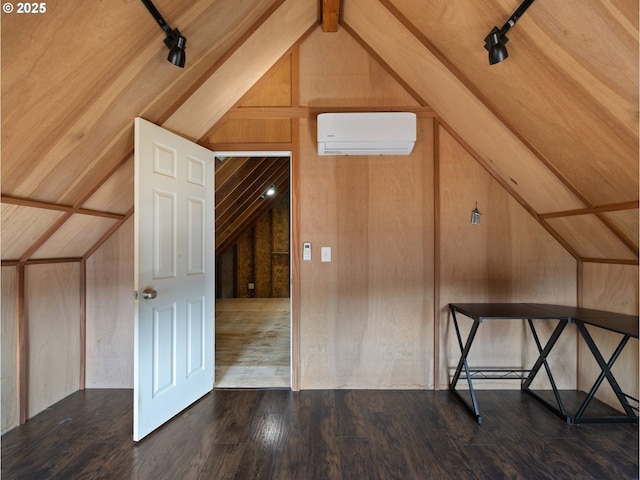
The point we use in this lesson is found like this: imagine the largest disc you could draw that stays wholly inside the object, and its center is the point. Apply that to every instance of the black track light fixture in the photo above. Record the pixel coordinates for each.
(175, 42)
(496, 40)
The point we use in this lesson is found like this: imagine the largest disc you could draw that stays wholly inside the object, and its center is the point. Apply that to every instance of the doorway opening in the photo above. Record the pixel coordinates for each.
(253, 270)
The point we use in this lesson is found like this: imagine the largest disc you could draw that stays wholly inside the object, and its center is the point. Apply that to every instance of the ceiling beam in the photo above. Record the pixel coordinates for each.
(25, 202)
(312, 112)
(599, 209)
(330, 15)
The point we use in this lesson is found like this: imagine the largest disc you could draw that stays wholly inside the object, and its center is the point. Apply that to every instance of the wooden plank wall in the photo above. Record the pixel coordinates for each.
(53, 330)
(614, 288)
(366, 317)
(262, 256)
(110, 312)
(49, 297)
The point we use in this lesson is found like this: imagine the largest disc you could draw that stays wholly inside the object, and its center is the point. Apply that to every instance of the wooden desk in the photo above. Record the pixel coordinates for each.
(625, 325)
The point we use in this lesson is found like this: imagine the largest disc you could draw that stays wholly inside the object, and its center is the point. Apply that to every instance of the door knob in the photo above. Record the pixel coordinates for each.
(149, 293)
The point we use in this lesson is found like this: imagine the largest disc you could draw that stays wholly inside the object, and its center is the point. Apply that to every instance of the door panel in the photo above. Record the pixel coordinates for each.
(174, 262)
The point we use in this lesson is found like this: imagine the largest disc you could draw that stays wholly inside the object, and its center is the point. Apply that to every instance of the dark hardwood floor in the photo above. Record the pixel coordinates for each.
(334, 434)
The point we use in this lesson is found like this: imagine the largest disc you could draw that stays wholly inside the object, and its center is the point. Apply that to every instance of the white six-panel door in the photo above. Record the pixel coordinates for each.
(174, 275)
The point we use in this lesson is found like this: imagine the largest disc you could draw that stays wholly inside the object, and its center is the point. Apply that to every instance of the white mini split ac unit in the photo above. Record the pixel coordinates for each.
(366, 133)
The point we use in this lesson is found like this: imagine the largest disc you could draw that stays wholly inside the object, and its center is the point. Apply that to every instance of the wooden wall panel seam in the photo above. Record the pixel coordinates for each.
(22, 351)
(294, 218)
(294, 255)
(83, 325)
(436, 255)
(579, 303)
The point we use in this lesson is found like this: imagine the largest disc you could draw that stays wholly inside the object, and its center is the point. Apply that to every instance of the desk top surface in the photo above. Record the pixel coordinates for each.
(617, 322)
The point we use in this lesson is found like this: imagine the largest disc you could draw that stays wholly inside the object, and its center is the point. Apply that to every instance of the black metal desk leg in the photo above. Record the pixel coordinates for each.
(543, 357)
(545, 352)
(605, 372)
(464, 352)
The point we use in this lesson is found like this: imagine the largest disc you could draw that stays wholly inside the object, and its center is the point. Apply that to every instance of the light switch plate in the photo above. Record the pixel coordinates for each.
(325, 254)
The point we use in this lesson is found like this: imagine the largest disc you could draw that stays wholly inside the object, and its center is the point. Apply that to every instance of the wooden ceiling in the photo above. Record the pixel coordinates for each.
(556, 124)
(241, 199)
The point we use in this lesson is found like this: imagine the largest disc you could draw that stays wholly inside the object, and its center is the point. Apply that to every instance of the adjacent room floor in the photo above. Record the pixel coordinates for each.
(253, 343)
(318, 434)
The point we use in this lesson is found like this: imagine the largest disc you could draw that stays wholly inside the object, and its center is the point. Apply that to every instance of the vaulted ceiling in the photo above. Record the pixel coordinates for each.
(242, 185)
(556, 124)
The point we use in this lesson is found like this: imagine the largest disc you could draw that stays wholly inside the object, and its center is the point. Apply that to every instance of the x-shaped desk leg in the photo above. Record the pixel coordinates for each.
(464, 351)
(542, 360)
(605, 368)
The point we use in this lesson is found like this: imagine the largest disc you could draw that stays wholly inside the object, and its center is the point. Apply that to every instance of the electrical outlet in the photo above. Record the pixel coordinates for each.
(252, 286)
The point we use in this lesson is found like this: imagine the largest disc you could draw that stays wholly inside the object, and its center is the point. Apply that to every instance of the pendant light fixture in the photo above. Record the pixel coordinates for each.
(496, 40)
(175, 42)
(475, 216)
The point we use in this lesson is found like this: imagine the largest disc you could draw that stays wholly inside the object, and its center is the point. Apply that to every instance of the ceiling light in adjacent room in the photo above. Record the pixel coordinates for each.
(269, 192)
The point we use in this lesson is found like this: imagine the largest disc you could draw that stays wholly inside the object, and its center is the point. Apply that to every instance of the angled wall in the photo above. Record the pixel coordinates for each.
(110, 312)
